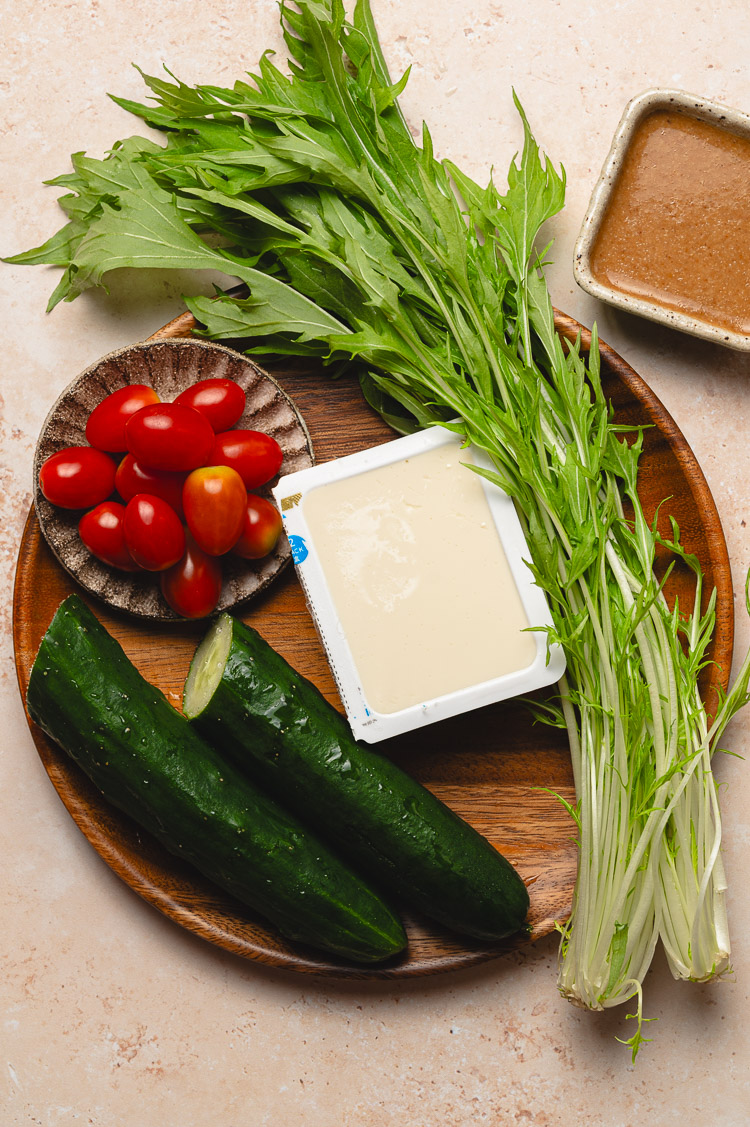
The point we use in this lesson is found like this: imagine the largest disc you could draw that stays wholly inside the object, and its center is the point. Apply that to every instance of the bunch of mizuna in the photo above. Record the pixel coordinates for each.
(355, 244)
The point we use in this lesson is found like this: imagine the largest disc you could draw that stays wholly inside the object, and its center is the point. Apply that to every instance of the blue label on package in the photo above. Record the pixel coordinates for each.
(299, 549)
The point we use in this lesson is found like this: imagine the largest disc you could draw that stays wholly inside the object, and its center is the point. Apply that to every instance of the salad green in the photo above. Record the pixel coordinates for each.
(357, 244)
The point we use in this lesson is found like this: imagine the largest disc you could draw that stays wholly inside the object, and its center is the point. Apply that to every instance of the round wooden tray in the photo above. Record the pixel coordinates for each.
(492, 765)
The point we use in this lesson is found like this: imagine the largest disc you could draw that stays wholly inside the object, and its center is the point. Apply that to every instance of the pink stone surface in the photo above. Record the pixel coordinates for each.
(110, 1014)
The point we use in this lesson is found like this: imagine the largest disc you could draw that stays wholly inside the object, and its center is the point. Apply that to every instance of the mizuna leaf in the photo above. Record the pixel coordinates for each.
(272, 308)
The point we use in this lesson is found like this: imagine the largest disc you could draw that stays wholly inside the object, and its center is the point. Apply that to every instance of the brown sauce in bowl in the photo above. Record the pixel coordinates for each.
(676, 231)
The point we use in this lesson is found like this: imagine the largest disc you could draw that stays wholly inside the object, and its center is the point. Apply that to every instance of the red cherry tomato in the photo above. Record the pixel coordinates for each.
(221, 401)
(214, 500)
(168, 436)
(105, 428)
(132, 478)
(261, 528)
(77, 477)
(255, 455)
(102, 531)
(192, 586)
(154, 535)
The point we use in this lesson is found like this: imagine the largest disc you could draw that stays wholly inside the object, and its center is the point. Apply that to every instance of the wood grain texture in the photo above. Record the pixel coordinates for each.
(493, 766)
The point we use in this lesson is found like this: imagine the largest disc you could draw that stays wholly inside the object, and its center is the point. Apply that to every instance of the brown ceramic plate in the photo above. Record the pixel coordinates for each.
(169, 366)
(493, 766)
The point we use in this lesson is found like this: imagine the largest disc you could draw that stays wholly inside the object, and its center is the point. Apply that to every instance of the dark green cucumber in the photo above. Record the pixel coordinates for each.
(247, 700)
(146, 759)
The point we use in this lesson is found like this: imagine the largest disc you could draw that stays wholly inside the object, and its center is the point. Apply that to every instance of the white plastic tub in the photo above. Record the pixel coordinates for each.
(413, 569)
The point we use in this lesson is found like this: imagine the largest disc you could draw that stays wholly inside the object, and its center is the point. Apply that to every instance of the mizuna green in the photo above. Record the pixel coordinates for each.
(275, 725)
(358, 245)
(147, 760)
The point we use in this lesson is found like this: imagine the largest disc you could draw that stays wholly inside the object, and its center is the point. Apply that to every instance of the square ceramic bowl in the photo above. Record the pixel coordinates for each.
(732, 128)
(414, 570)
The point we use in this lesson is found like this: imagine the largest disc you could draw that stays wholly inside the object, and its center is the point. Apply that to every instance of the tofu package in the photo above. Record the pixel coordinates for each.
(413, 568)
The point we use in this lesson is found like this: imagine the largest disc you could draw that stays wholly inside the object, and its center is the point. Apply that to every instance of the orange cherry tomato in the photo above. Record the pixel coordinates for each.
(154, 535)
(102, 530)
(214, 500)
(222, 401)
(261, 528)
(169, 436)
(77, 477)
(105, 428)
(256, 456)
(192, 586)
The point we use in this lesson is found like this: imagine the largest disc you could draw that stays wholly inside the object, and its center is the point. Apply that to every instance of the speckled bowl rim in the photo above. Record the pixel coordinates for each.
(281, 557)
(734, 121)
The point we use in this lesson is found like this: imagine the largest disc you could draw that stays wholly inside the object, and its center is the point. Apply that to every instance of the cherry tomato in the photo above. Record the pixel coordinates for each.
(261, 528)
(77, 477)
(132, 478)
(192, 586)
(168, 436)
(222, 401)
(102, 531)
(255, 455)
(105, 428)
(214, 501)
(154, 535)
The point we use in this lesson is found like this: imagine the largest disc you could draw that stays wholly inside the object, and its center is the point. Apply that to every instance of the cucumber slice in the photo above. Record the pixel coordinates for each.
(207, 667)
(247, 700)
